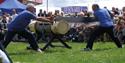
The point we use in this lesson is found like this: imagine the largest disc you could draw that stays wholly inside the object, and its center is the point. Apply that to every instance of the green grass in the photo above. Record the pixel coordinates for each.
(102, 53)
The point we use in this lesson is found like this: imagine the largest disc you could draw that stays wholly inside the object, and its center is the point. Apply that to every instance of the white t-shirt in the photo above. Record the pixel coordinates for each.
(4, 57)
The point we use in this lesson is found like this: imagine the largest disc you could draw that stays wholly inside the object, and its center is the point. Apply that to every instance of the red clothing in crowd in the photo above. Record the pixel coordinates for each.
(1, 1)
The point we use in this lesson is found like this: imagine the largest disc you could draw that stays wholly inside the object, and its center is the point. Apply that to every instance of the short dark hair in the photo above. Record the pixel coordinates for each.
(96, 5)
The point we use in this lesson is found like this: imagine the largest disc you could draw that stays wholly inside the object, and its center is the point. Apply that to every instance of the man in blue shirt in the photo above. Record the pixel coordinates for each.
(19, 26)
(105, 26)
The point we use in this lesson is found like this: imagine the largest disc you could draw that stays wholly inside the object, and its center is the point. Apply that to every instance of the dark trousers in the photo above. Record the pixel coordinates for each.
(102, 30)
(24, 33)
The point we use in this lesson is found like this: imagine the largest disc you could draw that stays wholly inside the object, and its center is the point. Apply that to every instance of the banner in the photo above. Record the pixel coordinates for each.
(39, 1)
(73, 9)
(36, 1)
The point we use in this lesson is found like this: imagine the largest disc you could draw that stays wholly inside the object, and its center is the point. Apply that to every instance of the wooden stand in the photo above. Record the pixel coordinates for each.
(55, 36)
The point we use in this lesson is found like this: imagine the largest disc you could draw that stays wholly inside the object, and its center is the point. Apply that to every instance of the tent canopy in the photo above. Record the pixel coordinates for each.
(8, 5)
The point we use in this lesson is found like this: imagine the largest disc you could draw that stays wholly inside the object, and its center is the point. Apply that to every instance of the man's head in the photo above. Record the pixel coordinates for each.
(95, 7)
(31, 8)
(40, 10)
(14, 11)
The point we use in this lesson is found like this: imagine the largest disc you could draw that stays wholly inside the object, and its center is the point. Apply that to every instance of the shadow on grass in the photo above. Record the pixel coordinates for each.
(22, 53)
(103, 49)
(54, 49)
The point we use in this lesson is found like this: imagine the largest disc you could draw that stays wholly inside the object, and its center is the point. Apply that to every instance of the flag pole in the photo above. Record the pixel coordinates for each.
(47, 6)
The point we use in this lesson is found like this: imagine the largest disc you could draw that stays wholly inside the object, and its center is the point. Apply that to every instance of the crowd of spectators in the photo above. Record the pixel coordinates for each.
(78, 31)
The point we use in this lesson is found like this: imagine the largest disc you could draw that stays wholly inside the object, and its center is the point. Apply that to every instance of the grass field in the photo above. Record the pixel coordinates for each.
(102, 53)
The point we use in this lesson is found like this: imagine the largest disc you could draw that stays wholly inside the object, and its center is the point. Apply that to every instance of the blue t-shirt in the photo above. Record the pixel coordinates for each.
(21, 21)
(103, 17)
